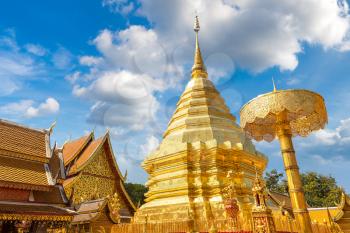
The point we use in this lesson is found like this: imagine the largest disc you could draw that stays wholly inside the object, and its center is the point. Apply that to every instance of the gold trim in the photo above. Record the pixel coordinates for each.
(27, 217)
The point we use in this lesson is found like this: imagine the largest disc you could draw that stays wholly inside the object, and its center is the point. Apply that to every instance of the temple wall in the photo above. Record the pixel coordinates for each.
(8, 194)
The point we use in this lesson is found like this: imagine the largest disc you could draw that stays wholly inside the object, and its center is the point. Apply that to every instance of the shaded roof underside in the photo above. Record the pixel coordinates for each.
(32, 209)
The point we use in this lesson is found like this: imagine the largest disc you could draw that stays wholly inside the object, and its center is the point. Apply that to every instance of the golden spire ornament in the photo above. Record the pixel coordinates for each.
(274, 85)
(198, 68)
(286, 113)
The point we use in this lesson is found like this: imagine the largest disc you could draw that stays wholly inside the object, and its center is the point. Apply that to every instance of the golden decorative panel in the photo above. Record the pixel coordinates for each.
(99, 165)
(95, 181)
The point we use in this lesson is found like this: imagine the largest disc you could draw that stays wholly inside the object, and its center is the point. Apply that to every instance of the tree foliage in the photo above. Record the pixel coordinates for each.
(275, 182)
(136, 192)
(320, 190)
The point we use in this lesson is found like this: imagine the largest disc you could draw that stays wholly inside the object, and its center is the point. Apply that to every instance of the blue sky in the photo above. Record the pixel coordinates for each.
(121, 65)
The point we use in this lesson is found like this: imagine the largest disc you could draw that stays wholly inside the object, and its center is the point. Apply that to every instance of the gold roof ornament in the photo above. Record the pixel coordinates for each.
(274, 85)
(198, 68)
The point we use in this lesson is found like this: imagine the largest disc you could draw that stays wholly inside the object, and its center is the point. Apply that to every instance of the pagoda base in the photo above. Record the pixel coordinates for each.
(198, 210)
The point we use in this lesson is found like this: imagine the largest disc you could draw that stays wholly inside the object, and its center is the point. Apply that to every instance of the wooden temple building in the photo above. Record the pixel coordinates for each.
(30, 200)
(75, 188)
(93, 183)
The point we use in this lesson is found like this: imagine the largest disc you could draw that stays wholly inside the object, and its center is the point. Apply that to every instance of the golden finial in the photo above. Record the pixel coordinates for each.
(274, 86)
(198, 68)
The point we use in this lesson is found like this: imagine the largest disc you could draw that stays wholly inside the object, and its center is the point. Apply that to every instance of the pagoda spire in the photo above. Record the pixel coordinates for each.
(198, 68)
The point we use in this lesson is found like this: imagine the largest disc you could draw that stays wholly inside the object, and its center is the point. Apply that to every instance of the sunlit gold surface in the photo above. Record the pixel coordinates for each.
(188, 172)
(261, 213)
(305, 112)
(284, 114)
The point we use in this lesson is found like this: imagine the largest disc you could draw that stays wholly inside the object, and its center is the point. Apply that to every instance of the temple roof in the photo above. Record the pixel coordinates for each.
(71, 149)
(86, 154)
(281, 199)
(21, 141)
(92, 210)
(34, 211)
(88, 149)
(23, 174)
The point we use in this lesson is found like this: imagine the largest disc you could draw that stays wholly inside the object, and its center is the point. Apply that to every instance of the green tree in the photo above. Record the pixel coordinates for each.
(136, 192)
(320, 190)
(275, 182)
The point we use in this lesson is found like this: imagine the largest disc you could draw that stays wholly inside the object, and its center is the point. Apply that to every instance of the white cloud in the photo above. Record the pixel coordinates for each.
(136, 49)
(255, 34)
(29, 109)
(35, 49)
(335, 160)
(15, 108)
(16, 65)
(137, 63)
(90, 60)
(62, 58)
(151, 144)
(74, 77)
(122, 83)
(329, 137)
(122, 99)
(123, 7)
(50, 106)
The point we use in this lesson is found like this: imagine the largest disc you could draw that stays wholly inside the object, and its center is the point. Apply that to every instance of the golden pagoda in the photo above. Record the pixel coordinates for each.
(203, 151)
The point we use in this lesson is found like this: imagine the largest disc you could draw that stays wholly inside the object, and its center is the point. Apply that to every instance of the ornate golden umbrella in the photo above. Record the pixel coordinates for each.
(286, 113)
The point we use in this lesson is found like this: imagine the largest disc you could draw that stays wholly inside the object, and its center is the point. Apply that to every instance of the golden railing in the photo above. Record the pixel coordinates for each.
(182, 226)
(283, 225)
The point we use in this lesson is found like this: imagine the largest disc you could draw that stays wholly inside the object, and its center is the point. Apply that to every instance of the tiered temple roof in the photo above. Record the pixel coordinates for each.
(27, 190)
(24, 156)
(91, 177)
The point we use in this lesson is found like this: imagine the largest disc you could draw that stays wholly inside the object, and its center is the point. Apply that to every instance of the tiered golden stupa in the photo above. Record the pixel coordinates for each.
(202, 152)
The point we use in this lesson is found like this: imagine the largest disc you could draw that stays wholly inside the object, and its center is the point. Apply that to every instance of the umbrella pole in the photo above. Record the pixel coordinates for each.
(295, 186)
